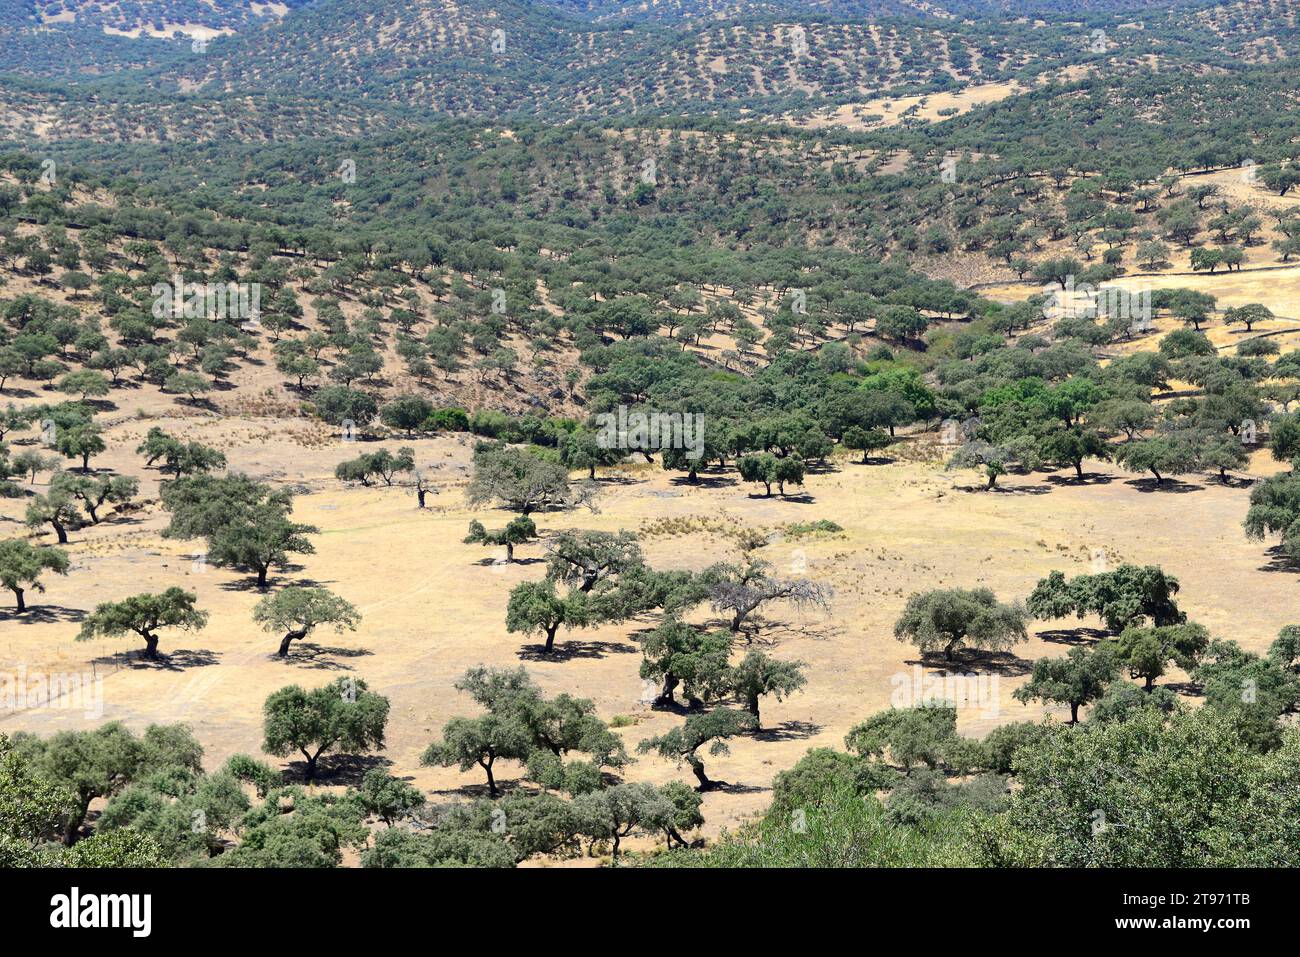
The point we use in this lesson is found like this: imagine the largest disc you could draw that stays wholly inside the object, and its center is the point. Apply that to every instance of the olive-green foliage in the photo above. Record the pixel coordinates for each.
(845, 829)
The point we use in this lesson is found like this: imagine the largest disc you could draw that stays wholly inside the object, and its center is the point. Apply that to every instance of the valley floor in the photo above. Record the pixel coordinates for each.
(434, 607)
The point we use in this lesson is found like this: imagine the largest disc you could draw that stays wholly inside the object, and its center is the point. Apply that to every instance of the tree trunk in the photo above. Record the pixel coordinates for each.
(73, 827)
(150, 646)
(1159, 478)
(751, 705)
(666, 696)
(261, 575)
(60, 531)
(948, 649)
(510, 551)
(310, 772)
(18, 593)
(1074, 712)
(550, 642)
(697, 768)
(492, 781)
(289, 639)
(1078, 468)
(420, 494)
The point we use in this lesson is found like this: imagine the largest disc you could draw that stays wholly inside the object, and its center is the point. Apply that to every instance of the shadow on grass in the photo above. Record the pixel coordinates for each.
(789, 731)
(704, 481)
(1006, 489)
(490, 562)
(42, 615)
(1171, 486)
(1280, 561)
(339, 769)
(970, 661)
(574, 649)
(181, 659)
(481, 790)
(1089, 478)
(725, 787)
(1074, 636)
(308, 654)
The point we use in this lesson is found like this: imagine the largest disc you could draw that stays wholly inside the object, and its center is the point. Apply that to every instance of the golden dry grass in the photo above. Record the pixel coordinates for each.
(433, 606)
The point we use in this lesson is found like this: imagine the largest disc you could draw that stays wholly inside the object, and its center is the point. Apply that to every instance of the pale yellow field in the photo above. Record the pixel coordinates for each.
(1277, 288)
(889, 111)
(433, 606)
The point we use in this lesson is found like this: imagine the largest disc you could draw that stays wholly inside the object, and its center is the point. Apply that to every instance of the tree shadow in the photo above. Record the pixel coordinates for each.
(1089, 478)
(1007, 489)
(207, 405)
(677, 706)
(481, 790)
(490, 561)
(726, 787)
(973, 661)
(118, 519)
(789, 731)
(177, 660)
(312, 582)
(573, 649)
(704, 481)
(1002, 663)
(249, 581)
(1280, 561)
(1171, 486)
(779, 628)
(803, 498)
(308, 654)
(43, 615)
(340, 769)
(874, 460)
(1074, 636)
(619, 480)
